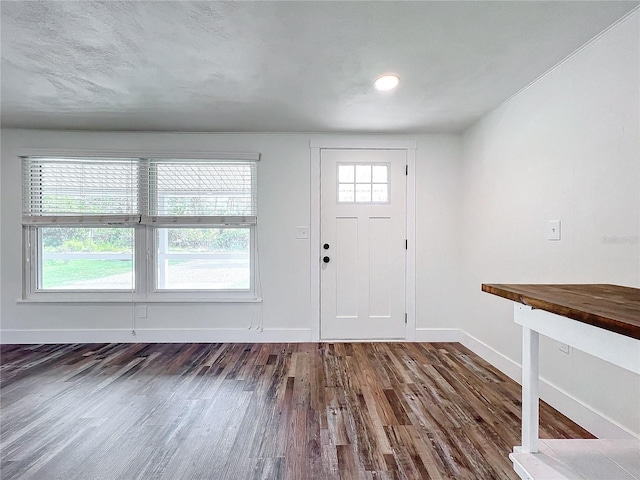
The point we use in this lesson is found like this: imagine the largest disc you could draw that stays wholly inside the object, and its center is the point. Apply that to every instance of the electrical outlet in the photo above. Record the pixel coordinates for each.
(564, 348)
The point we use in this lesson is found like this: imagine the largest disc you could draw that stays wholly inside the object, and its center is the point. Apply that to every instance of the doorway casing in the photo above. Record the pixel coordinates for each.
(409, 146)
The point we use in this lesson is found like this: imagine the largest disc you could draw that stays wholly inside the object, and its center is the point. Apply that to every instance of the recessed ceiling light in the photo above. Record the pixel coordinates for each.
(388, 81)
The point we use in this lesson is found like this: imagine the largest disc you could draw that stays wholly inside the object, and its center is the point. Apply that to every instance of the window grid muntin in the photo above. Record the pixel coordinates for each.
(354, 178)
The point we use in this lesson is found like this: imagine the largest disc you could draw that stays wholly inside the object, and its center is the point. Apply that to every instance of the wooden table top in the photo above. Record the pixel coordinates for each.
(612, 307)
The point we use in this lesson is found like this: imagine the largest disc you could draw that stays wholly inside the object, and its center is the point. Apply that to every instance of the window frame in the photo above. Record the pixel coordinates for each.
(145, 233)
(355, 183)
(33, 261)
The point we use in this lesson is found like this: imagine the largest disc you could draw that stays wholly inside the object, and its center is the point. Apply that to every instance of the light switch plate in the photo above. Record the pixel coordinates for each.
(553, 230)
(302, 233)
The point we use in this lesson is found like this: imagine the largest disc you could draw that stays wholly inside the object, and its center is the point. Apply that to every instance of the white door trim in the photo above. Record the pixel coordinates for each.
(370, 143)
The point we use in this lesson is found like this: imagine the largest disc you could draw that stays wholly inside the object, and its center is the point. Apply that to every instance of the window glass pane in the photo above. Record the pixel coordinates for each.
(363, 193)
(345, 173)
(363, 173)
(203, 259)
(86, 258)
(380, 192)
(345, 192)
(379, 174)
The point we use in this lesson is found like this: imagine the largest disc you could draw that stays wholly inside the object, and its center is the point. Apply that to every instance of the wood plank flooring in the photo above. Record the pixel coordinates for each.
(259, 411)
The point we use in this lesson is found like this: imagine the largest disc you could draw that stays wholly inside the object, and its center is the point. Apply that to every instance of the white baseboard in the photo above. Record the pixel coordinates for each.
(584, 415)
(168, 335)
(446, 335)
(592, 420)
(503, 363)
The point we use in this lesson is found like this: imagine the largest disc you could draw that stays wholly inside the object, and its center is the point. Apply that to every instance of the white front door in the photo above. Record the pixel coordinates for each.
(363, 246)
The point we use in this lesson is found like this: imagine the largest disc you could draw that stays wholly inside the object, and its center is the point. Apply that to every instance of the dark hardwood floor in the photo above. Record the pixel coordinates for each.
(259, 411)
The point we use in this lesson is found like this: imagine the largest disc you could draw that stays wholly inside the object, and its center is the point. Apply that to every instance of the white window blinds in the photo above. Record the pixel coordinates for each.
(136, 190)
(71, 190)
(184, 191)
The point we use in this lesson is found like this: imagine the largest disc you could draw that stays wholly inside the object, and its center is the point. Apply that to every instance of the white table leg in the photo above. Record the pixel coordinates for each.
(530, 396)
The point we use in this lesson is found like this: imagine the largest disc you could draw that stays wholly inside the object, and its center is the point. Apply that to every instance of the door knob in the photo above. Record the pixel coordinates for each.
(325, 259)
(326, 246)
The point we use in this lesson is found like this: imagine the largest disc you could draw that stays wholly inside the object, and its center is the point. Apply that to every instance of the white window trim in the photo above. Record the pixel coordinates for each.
(164, 154)
(144, 258)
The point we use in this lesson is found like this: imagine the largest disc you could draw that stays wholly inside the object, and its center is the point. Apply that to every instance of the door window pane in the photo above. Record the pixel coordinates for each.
(380, 174)
(346, 192)
(345, 173)
(203, 258)
(86, 258)
(363, 173)
(363, 183)
(380, 192)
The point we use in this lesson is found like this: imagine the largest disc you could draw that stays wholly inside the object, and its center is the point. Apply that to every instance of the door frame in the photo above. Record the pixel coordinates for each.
(328, 143)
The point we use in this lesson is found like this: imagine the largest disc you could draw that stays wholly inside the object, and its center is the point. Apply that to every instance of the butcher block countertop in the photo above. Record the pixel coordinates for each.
(612, 307)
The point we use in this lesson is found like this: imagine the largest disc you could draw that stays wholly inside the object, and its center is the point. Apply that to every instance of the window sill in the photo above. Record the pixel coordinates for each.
(116, 301)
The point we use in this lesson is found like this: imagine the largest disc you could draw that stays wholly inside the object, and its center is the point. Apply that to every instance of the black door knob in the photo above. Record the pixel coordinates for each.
(326, 246)
(325, 259)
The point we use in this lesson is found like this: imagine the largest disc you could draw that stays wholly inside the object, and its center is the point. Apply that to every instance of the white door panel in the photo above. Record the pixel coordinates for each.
(363, 222)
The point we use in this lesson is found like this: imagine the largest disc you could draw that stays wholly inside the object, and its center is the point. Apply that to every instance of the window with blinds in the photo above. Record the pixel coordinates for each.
(153, 227)
(106, 190)
(72, 189)
(221, 192)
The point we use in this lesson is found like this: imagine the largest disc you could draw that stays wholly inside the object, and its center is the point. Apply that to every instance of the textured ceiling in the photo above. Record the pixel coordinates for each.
(279, 66)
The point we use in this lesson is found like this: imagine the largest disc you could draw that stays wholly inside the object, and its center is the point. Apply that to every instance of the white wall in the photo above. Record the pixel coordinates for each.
(565, 148)
(438, 194)
(284, 203)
